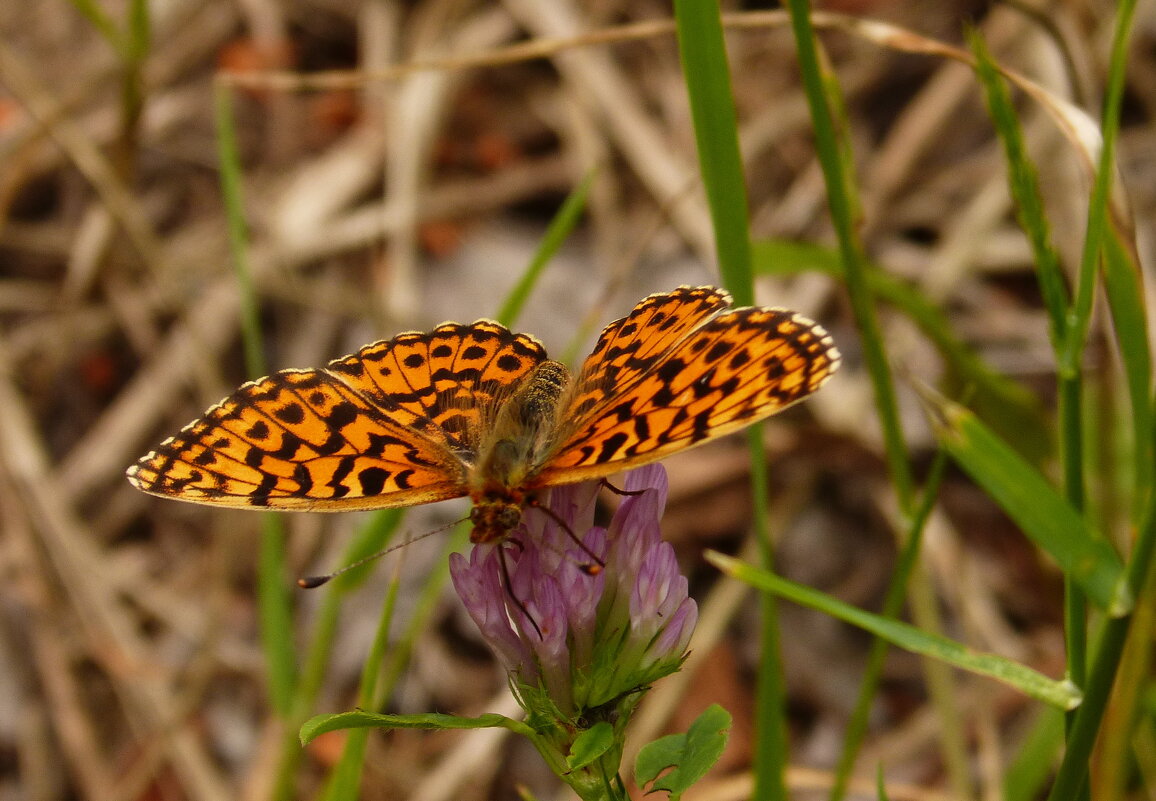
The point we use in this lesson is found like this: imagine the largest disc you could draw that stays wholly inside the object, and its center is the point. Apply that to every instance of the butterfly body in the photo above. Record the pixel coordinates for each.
(518, 444)
(481, 411)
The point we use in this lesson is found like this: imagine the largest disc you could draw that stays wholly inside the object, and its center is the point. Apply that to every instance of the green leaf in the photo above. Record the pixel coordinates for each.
(589, 745)
(690, 755)
(321, 724)
(1041, 512)
(1062, 694)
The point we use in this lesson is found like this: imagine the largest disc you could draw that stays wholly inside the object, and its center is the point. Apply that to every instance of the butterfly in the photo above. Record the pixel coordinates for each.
(481, 411)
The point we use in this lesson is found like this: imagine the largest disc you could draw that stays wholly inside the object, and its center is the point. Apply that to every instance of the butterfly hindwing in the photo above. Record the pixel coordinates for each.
(447, 383)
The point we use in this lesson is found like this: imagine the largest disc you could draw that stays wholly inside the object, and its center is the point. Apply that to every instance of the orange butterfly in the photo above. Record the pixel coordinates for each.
(478, 410)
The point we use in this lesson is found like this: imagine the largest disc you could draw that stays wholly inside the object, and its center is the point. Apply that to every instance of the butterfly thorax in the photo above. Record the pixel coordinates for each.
(517, 445)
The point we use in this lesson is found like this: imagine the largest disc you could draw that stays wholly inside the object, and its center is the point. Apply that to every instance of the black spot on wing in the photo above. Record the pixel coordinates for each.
(671, 369)
(509, 363)
(342, 414)
(292, 413)
(290, 443)
(739, 360)
(303, 478)
(372, 480)
(611, 446)
(718, 350)
(336, 482)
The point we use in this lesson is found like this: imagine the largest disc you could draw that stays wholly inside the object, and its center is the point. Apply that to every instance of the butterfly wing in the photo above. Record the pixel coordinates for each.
(392, 425)
(733, 369)
(628, 348)
(447, 384)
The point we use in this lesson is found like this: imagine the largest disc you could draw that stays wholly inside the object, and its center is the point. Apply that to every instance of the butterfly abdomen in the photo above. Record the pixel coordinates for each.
(536, 404)
(522, 428)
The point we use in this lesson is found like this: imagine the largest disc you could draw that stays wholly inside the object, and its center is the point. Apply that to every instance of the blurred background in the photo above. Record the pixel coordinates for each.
(400, 164)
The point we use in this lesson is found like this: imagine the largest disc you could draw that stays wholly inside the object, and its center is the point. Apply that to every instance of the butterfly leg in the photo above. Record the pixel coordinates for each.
(590, 569)
(618, 490)
(514, 599)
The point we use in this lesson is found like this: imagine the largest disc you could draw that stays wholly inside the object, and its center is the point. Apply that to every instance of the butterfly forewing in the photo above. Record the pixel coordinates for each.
(738, 367)
(630, 347)
(299, 439)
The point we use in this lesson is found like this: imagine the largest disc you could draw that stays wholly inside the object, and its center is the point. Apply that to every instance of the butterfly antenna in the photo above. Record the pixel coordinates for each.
(590, 569)
(313, 582)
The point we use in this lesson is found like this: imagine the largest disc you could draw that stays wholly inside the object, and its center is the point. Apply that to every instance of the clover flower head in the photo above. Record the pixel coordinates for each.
(582, 645)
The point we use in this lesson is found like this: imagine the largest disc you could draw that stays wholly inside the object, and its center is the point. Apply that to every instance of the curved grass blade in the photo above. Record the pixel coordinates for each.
(1033, 503)
(1058, 693)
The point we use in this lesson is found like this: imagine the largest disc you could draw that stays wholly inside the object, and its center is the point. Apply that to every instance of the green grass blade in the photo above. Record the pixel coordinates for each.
(275, 609)
(1025, 188)
(1085, 728)
(880, 785)
(230, 166)
(345, 780)
(1072, 777)
(1101, 193)
(559, 229)
(423, 612)
(842, 200)
(371, 538)
(1044, 515)
(1025, 191)
(857, 725)
(275, 602)
(1125, 290)
(1029, 771)
(708, 84)
(706, 73)
(96, 16)
(138, 42)
(1061, 694)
